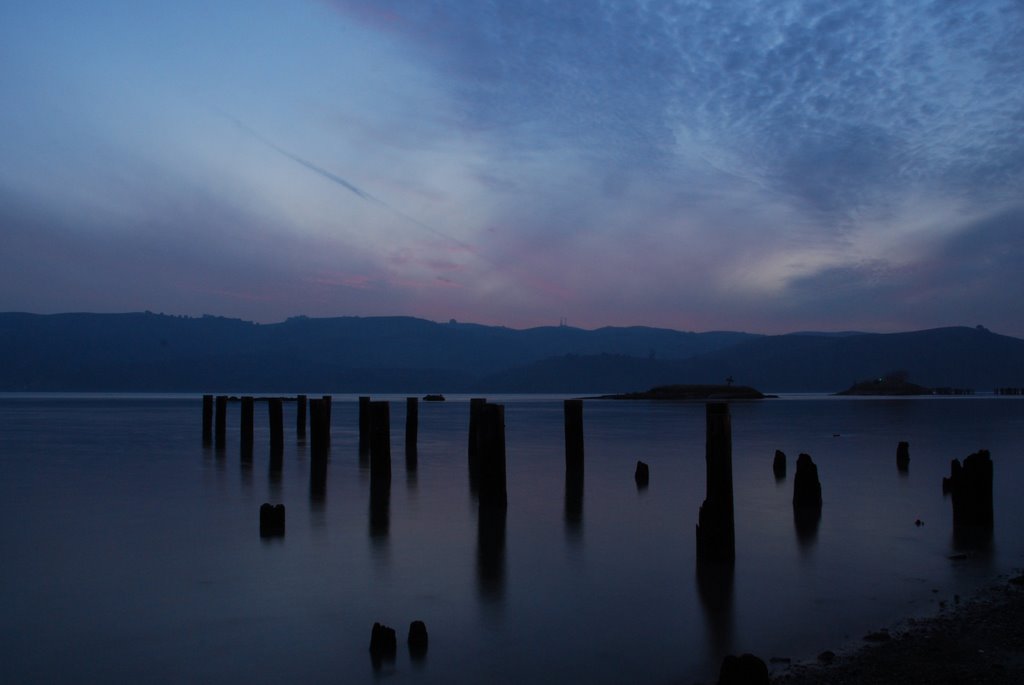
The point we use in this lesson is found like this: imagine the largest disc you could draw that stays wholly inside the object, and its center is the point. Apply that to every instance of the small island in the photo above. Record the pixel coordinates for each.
(691, 392)
(893, 384)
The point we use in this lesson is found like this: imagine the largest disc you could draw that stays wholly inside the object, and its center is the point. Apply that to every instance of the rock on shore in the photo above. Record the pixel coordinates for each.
(980, 641)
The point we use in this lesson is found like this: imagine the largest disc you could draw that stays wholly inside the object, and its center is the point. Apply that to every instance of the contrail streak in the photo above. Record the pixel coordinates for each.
(351, 187)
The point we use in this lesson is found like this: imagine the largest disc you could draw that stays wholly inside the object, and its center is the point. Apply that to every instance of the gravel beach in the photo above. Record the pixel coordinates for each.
(980, 640)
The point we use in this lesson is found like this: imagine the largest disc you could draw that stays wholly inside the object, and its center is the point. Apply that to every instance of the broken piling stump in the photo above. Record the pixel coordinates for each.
(383, 644)
(271, 519)
(806, 486)
(779, 465)
(418, 639)
(642, 475)
(903, 455)
(970, 485)
(716, 532)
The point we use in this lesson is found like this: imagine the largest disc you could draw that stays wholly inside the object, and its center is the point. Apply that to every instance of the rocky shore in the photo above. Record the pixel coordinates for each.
(980, 640)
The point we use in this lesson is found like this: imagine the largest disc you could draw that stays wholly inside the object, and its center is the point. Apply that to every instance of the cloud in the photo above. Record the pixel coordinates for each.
(829, 103)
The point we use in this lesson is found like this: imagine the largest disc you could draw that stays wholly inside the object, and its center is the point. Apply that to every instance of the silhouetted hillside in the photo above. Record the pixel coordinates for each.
(154, 352)
(957, 357)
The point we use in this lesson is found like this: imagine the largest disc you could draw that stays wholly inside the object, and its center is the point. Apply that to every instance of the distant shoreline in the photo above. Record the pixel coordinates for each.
(691, 392)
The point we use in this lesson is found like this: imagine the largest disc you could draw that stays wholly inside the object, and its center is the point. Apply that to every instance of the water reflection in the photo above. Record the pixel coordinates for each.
(274, 483)
(806, 520)
(380, 511)
(715, 582)
(490, 553)
(973, 541)
(245, 475)
(573, 506)
(318, 482)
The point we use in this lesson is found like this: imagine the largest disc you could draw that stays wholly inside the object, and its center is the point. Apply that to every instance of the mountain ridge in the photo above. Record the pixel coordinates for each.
(143, 351)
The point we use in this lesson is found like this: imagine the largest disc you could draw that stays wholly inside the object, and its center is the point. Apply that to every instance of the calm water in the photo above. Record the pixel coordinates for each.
(131, 552)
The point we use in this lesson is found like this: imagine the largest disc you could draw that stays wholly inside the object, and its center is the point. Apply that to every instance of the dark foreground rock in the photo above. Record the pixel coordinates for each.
(981, 641)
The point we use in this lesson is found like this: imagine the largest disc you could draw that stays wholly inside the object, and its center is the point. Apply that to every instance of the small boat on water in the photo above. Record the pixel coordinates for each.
(433, 398)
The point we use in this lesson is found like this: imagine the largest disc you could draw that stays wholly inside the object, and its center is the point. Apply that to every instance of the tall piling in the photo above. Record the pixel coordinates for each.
(380, 444)
(300, 417)
(221, 422)
(364, 426)
(716, 532)
(327, 400)
(207, 420)
(246, 424)
(492, 489)
(317, 426)
(573, 411)
(275, 412)
(476, 409)
(412, 414)
(318, 450)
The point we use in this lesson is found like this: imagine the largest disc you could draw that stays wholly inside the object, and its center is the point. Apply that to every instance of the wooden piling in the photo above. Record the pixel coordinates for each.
(272, 519)
(493, 492)
(573, 411)
(327, 399)
(300, 417)
(246, 423)
(380, 444)
(716, 532)
(903, 455)
(476, 408)
(806, 486)
(364, 425)
(317, 444)
(779, 465)
(970, 484)
(412, 411)
(207, 419)
(275, 412)
(221, 422)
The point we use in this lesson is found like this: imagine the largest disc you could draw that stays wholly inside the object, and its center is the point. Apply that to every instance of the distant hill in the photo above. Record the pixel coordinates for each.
(155, 352)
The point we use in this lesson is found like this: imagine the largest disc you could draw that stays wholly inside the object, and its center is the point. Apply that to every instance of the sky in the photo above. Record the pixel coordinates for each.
(758, 166)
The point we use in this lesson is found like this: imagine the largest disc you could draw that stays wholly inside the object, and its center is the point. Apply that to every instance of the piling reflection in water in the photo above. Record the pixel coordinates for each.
(574, 505)
(715, 581)
(806, 522)
(380, 510)
(490, 552)
(318, 481)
